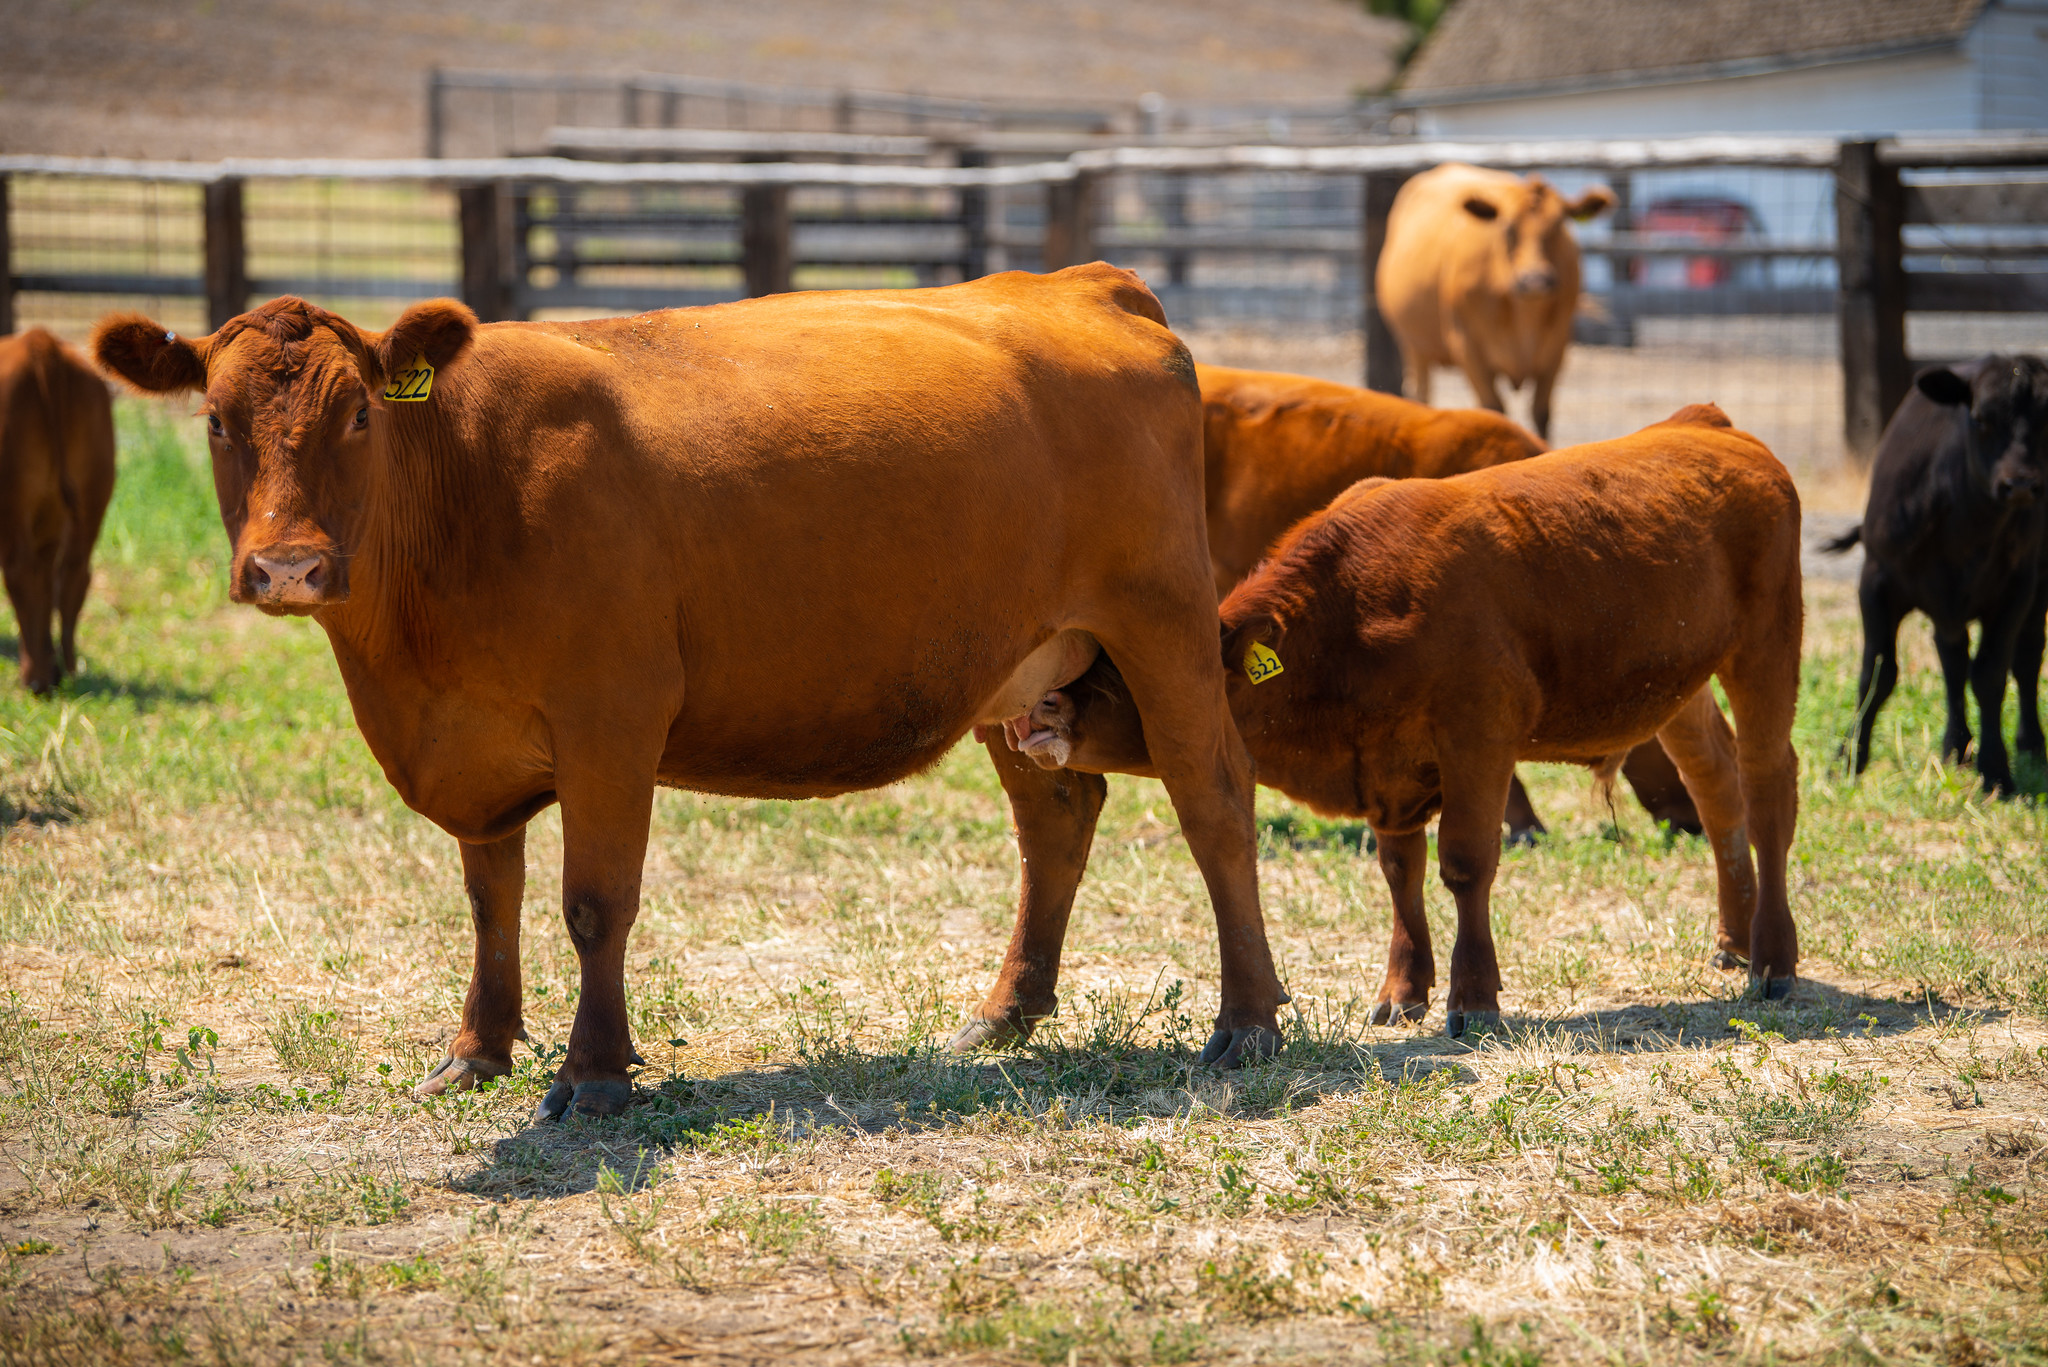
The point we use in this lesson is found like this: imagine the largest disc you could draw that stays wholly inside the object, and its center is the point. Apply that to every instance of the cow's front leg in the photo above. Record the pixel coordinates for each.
(1539, 403)
(2027, 651)
(1987, 681)
(604, 844)
(1054, 811)
(494, 876)
(1952, 648)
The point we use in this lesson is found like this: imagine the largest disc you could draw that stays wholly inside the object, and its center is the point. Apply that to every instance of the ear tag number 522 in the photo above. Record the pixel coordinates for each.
(1261, 663)
(411, 385)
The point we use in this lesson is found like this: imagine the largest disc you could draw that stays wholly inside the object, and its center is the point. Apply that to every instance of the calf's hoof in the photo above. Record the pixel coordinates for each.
(598, 1096)
(1399, 1013)
(991, 1032)
(1471, 1024)
(1771, 989)
(1524, 838)
(1234, 1048)
(454, 1074)
(1728, 961)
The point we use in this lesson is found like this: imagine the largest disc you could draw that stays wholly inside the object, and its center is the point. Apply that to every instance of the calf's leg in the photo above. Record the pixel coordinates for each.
(1995, 650)
(2027, 650)
(1952, 648)
(1762, 687)
(1702, 748)
(28, 575)
(1523, 823)
(494, 876)
(1411, 965)
(1169, 661)
(1539, 403)
(1882, 613)
(74, 577)
(1055, 812)
(605, 811)
(1468, 855)
(1660, 787)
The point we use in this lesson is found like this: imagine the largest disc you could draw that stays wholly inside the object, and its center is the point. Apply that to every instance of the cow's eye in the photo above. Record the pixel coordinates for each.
(213, 425)
(362, 418)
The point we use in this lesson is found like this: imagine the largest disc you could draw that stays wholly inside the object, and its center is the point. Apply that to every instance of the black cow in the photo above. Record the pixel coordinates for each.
(1955, 527)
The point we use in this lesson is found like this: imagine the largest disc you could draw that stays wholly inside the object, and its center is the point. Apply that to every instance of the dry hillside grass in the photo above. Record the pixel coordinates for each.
(227, 951)
(216, 78)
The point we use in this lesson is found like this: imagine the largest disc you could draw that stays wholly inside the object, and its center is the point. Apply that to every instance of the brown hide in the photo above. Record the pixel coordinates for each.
(56, 475)
(1480, 271)
(785, 547)
(1433, 633)
(1276, 448)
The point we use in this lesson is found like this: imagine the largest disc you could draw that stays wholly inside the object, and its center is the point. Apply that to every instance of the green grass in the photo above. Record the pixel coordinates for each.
(228, 951)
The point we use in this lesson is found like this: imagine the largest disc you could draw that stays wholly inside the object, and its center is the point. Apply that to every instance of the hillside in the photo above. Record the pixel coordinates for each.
(206, 78)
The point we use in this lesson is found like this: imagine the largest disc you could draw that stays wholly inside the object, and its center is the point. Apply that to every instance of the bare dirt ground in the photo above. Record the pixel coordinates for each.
(219, 78)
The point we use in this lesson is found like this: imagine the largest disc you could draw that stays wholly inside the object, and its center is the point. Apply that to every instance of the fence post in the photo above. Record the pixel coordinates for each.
(1869, 211)
(1382, 353)
(1069, 213)
(479, 213)
(227, 263)
(6, 267)
(436, 125)
(974, 219)
(765, 262)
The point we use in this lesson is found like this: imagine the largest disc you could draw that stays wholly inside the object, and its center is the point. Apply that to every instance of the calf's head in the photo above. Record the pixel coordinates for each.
(2004, 403)
(1530, 233)
(297, 420)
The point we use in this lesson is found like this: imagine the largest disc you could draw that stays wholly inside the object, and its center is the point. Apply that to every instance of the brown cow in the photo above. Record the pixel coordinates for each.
(56, 475)
(1480, 271)
(1420, 637)
(786, 547)
(1276, 448)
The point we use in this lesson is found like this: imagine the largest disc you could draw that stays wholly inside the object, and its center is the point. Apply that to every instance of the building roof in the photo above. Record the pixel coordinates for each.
(1491, 49)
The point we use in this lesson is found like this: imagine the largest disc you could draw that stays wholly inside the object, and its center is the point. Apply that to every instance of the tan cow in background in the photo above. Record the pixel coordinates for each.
(1480, 271)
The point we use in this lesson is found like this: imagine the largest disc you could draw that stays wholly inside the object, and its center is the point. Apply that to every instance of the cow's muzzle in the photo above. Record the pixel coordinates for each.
(2018, 490)
(1535, 282)
(291, 578)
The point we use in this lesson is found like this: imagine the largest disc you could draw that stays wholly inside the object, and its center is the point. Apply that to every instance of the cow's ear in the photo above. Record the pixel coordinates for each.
(1482, 209)
(1944, 386)
(439, 329)
(1592, 203)
(148, 355)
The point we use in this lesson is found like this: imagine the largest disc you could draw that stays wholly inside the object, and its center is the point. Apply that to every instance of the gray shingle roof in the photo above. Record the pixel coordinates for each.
(1489, 47)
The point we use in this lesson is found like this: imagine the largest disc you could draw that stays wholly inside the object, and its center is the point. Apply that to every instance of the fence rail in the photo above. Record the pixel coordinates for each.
(1913, 233)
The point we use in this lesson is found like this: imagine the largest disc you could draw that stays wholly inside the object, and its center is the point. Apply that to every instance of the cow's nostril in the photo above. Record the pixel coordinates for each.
(315, 575)
(260, 577)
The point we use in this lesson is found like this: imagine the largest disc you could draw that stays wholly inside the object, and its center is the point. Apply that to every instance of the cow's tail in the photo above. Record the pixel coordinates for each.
(45, 353)
(1835, 545)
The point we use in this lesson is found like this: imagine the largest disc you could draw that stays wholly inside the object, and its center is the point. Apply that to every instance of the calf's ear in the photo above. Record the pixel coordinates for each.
(1482, 209)
(1591, 204)
(1944, 386)
(1261, 628)
(439, 329)
(148, 355)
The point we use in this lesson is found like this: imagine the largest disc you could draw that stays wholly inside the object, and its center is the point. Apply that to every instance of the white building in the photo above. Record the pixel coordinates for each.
(1626, 68)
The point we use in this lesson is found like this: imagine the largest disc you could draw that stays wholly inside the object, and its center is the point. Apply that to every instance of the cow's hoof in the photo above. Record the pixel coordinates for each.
(598, 1096)
(453, 1075)
(1728, 961)
(990, 1032)
(1524, 838)
(1398, 1013)
(1771, 989)
(1471, 1024)
(1229, 1048)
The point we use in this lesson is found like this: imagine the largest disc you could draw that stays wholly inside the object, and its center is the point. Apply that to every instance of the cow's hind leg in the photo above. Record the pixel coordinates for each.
(1702, 749)
(1411, 964)
(494, 876)
(1762, 686)
(28, 574)
(1882, 613)
(1169, 661)
(605, 811)
(1055, 812)
(1468, 855)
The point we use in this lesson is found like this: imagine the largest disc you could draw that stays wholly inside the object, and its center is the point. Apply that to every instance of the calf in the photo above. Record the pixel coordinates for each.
(1955, 528)
(1481, 271)
(56, 475)
(1406, 647)
(1276, 448)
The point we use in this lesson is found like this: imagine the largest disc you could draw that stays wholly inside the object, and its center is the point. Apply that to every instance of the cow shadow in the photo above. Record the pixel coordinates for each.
(92, 682)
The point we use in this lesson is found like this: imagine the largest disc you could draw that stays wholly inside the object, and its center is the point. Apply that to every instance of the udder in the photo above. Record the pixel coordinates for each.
(1054, 665)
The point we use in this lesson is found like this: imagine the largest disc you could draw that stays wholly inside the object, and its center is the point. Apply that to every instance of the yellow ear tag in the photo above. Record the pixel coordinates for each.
(411, 385)
(1260, 663)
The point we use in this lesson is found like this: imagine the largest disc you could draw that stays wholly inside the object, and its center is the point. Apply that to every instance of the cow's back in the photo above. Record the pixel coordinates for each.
(56, 438)
(1277, 447)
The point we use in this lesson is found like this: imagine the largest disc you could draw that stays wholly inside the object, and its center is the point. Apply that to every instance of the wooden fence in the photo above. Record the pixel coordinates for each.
(935, 223)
